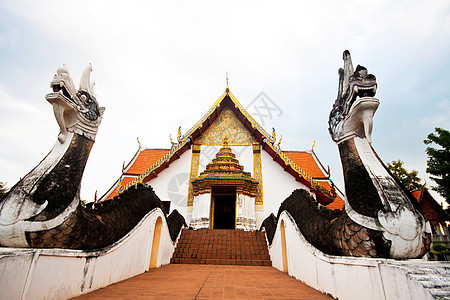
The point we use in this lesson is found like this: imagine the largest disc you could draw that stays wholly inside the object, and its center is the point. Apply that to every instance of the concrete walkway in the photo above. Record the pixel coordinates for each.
(185, 281)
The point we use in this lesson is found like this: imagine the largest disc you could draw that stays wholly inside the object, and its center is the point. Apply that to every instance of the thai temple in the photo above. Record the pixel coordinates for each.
(225, 193)
(227, 171)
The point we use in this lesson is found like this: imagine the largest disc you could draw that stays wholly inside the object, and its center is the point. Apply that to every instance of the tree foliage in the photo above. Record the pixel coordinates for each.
(409, 179)
(3, 190)
(438, 163)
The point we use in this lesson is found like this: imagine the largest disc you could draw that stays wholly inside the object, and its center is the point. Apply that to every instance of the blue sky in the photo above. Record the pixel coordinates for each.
(161, 65)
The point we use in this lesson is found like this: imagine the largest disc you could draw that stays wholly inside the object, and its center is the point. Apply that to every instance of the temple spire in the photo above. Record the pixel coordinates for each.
(227, 89)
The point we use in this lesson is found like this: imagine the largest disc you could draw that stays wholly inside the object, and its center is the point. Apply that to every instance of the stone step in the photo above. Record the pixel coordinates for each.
(435, 279)
(440, 293)
(239, 262)
(442, 270)
(220, 256)
(433, 283)
(222, 246)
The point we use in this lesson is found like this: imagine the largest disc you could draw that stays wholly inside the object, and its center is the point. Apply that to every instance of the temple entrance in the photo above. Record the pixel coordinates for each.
(224, 208)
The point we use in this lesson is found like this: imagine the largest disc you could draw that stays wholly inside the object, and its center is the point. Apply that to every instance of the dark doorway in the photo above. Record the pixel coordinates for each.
(224, 209)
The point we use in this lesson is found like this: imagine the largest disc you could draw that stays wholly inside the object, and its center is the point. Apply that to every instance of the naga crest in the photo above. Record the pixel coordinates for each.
(353, 110)
(375, 199)
(49, 194)
(43, 209)
(75, 110)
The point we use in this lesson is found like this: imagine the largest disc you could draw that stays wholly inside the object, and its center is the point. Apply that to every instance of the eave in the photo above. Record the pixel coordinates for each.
(227, 99)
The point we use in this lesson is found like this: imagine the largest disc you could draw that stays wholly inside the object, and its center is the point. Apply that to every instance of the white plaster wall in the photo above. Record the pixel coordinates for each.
(62, 274)
(345, 277)
(202, 204)
(13, 273)
(207, 154)
(172, 183)
(277, 186)
(245, 156)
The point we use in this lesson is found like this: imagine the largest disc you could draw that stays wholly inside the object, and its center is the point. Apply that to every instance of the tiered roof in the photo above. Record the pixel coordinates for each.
(308, 163)
(311, 164)
(147, 163)
(146, 158)
(432, 209)
(225, 170)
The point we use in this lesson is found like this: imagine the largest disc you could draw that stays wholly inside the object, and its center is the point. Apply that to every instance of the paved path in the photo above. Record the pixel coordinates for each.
(185, 281)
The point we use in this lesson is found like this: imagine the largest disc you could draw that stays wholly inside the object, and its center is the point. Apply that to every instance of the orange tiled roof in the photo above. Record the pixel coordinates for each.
(306, 161)
(431, 208)
(146, 158)
(417, 194)
(124, 182)
(137, 166)
(338, 203)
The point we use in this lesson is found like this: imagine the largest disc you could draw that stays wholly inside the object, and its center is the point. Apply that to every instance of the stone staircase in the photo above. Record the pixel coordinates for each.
(222, 247)
(435, 279)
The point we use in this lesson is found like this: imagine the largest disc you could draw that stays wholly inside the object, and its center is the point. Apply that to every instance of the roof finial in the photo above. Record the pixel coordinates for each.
(139, 143)
(179, 135)
(279, 142)
(314, 144)
(273, 136)
(227, 88)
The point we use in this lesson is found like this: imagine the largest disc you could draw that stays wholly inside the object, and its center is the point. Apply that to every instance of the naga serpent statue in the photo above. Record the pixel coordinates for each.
(43, 209)
(381, 218)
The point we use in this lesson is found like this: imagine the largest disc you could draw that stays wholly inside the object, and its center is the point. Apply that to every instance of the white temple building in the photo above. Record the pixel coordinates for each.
(227, 172)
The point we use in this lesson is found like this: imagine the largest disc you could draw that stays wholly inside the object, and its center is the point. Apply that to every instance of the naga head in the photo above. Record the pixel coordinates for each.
(75, 110)
(353, 110)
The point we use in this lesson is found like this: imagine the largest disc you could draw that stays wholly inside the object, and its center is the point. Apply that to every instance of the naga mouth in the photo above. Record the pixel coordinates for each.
(60, 88)
(365, 90)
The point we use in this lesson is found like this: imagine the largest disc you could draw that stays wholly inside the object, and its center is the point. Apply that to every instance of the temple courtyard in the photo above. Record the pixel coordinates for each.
(188, 281)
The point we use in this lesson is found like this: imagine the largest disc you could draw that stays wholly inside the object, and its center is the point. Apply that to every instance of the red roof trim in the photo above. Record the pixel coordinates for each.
(258, 133)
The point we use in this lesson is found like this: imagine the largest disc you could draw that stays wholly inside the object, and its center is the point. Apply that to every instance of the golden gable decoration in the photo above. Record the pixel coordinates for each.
(226, 125)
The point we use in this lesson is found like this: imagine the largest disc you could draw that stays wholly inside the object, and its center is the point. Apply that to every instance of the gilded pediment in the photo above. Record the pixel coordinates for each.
(226, 125)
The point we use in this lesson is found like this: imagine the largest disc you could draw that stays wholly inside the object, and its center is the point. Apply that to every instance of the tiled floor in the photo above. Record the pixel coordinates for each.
(186, 281)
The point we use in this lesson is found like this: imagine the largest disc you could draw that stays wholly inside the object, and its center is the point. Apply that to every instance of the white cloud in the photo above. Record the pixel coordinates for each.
(159, 65)
(26, 134)
(440, 116)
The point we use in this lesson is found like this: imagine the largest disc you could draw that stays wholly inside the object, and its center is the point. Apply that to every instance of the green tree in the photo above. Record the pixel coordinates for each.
(409, 179)
(438, 163)
(3, 190)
